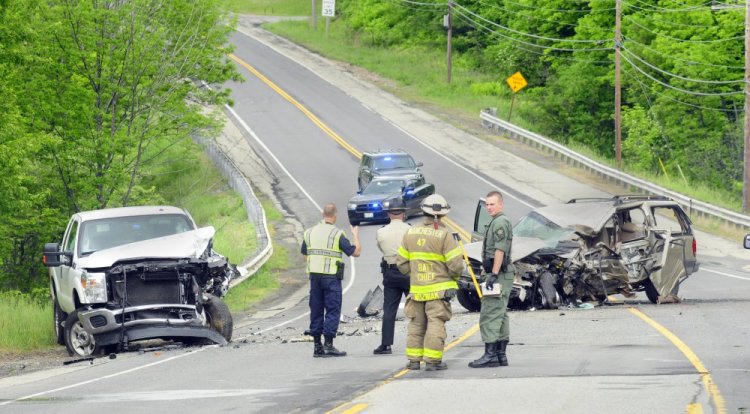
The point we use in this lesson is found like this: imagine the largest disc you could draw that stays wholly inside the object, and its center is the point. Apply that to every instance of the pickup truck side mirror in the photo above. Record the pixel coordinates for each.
(747, 241)
(53, 257)
(420, 164)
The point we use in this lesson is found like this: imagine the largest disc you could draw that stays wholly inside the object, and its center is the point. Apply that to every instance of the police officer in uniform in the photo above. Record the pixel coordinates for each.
(433, 260)
(324, 246)
(395, 283)
(494, 324)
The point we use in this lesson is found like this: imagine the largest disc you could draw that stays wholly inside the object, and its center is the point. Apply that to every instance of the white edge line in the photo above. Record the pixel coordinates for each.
(708, 269)
(309, 197)
(116, 374)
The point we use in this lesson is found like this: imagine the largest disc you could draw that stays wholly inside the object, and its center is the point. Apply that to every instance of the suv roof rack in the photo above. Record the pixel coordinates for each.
(620, 199)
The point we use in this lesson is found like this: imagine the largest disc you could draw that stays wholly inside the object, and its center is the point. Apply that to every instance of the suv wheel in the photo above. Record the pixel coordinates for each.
(469, 300)
(653, 294)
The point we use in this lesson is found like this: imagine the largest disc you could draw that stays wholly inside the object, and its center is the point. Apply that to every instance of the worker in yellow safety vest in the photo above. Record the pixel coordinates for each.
(434, 262)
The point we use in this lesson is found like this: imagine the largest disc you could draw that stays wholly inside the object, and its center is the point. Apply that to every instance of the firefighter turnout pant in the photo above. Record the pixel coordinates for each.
(426, 332)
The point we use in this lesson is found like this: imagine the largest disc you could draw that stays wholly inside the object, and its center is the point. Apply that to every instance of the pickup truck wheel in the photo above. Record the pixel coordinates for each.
(59, 317)
(219, 317)
(77, 340)
(469, 300)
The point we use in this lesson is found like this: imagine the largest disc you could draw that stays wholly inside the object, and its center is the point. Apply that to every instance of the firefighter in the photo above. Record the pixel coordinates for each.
(324, 246)
(395, 283)
(494, 324)
(433, 261)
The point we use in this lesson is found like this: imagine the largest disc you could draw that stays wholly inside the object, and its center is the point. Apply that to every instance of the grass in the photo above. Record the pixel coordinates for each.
(418, 75)
(272, 7)
(25, 323)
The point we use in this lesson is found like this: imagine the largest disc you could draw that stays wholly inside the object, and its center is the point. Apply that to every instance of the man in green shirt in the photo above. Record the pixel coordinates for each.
(494, 324)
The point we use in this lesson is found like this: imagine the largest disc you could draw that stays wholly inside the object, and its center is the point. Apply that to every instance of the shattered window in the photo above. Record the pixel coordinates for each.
(670, 219)
(534, 225)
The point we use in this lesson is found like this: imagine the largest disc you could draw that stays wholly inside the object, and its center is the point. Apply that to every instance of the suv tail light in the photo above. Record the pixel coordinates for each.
(695, 247)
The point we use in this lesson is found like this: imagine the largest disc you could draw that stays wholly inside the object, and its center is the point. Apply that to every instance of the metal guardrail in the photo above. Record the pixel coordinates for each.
(255, 212)
(704, 210)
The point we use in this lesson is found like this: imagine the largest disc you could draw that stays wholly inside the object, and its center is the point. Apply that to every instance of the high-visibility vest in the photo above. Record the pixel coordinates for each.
(323, 251)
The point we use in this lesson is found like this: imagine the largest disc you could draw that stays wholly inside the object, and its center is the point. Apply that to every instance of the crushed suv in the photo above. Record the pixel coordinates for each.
(132, 273)
(388, 163)
(587, 249)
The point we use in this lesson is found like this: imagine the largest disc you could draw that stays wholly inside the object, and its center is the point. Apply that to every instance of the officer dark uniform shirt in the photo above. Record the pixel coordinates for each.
(493, 319)
(324, 245)
(395, 283)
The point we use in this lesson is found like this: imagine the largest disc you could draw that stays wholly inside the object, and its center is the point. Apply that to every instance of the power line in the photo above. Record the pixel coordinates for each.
(680, 40)
(700, 7)
(598, 42)
(666, 85)
(472, 21)
(523, 14)
(678, 76)
(561, 10)
(692, 62)
(419, 3)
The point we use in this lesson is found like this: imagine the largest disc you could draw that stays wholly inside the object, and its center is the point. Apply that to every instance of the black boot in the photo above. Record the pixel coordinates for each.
(318, 352)
(330, 350)
(501, 346)
(489, 359)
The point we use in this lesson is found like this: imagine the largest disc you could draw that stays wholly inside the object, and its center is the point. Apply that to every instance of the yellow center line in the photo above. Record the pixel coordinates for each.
(708, 381)
(290, 99)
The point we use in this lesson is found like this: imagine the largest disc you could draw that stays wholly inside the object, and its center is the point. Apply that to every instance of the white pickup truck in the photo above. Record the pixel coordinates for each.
(133, 273)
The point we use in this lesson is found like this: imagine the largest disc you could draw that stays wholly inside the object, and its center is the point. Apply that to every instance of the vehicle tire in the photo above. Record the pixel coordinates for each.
(58, 318)
(653, 295)
(219, 317)
(549, 295)
(79, 342)
(469, 300)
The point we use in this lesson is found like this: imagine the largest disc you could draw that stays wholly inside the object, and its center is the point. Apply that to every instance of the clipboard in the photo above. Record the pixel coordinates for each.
(497, 289)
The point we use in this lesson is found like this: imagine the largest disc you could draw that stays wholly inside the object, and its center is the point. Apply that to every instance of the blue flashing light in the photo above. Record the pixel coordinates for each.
(387, 158)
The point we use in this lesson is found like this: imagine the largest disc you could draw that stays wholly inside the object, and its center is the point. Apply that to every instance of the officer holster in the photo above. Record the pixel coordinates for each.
(340, 270)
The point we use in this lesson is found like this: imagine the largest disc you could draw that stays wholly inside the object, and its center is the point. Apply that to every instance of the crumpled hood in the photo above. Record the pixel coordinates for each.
(189, 244)
(522, 247)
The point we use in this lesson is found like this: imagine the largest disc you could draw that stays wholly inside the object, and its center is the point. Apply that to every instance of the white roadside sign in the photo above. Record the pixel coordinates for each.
(329, 8)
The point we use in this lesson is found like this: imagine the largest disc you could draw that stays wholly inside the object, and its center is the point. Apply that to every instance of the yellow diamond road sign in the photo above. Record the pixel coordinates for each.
(516, 82)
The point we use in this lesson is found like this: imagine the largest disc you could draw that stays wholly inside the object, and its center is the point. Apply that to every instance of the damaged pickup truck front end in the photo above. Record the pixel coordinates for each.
(166, 287)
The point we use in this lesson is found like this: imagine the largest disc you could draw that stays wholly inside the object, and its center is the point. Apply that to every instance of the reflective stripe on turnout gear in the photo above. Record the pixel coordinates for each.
(414, 352)
(435, 257)
(323, 250)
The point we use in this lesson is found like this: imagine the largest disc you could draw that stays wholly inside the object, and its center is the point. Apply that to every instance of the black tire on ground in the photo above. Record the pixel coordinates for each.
(58, 318)
(219, 317)
(79, 342)
(550, 297)
(469, 300)
(653, 295)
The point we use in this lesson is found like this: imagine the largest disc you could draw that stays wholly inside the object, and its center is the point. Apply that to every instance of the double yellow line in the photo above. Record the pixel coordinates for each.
(708, 381)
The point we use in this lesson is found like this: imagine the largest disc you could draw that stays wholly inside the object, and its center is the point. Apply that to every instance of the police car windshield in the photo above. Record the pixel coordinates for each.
(393, 162)
(384, 187)
(536, 226)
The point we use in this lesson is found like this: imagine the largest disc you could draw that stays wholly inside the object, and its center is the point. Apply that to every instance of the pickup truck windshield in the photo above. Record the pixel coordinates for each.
(536, 226)
(112, 232)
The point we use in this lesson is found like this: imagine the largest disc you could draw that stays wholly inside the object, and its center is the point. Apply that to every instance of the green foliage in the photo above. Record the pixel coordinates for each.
(272, 7)
(25, 321)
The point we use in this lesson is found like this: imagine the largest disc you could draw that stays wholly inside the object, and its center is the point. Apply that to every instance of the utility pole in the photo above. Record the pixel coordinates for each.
(618, 94)
(448, 22)
(314, 16)
(746, 175)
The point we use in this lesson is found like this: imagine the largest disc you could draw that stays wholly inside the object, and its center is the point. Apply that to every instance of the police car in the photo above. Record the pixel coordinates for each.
(372, 202)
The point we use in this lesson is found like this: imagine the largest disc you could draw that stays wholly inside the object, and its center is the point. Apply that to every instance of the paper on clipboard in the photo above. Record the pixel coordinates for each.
(497, 289)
